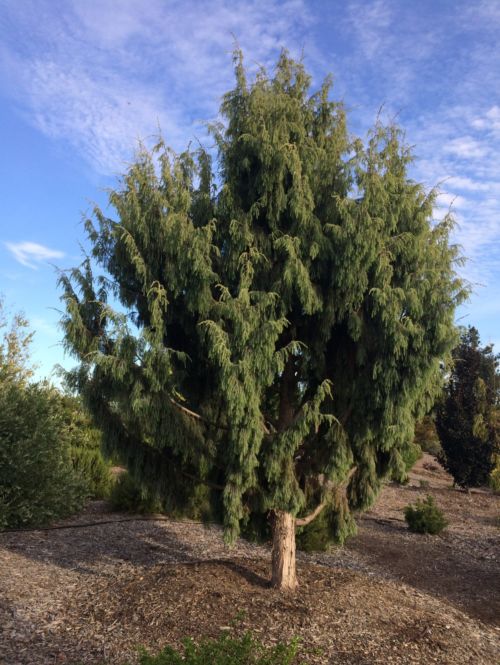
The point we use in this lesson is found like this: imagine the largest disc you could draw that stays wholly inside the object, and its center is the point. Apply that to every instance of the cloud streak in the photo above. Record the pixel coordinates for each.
(100, 74)
(32, 254)
(105, 78)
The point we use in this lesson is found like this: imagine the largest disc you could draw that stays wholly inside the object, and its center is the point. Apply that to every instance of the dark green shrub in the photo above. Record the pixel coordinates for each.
(94, 470)
(408, 456)
(84, 442)
(495, 475)
(467, 418)
(225, 650)
(425, 516)
(129, 496)
(38, 482)
(411, 455)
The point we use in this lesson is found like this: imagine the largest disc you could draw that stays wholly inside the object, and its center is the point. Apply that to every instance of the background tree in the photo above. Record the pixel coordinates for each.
(50, 458)
(15, 343)
(466, 419)
(284, 318)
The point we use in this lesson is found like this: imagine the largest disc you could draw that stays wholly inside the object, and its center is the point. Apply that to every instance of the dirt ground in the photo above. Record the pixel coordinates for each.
(93, 594)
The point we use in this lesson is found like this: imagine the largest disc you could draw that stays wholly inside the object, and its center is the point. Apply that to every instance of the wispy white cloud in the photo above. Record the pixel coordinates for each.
(98, 78)
(466, 147)
(106, 77)
(32, 254)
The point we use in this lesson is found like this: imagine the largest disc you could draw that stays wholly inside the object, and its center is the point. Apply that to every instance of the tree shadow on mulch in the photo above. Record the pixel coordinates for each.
(142, 543)
(436, 565)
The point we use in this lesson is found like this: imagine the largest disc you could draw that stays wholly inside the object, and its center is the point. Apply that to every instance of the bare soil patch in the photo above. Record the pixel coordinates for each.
(92, 594)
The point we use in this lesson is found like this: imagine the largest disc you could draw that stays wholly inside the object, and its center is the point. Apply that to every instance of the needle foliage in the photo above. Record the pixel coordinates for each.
(284, 309)
(467, 416)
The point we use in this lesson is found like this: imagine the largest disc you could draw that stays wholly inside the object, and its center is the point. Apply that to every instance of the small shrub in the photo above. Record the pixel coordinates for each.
(84, 442)
(411, 454)
(424, 484)
(495, 476)
(128, 496)
(94, 469)
(427, 437)
(225, 650)
(37, 480)
(425, 516)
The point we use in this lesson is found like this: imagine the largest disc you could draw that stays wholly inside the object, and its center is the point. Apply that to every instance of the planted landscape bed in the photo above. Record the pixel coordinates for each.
(92, 595)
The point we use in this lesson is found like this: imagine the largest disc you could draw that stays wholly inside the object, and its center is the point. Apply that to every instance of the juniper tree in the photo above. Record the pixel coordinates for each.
(466, 417)
(284, 310)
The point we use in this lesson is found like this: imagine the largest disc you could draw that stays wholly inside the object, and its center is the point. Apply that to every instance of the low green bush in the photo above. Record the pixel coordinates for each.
(225, 650)
(84, 441)
(38, 482)
(495, 476)
(427, 437)
(94, 470)
(425, 516)
(129, 496)
(411, 455)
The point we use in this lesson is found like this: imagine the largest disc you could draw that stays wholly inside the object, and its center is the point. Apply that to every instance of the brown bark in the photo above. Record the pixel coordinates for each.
(304, 521)
(284, 574)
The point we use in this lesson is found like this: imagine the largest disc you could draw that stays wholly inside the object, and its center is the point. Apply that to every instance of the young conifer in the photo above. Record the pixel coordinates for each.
(467, 416)
(285, 318)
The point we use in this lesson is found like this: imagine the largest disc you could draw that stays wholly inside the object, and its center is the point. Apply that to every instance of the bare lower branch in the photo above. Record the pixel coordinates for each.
(193, 414)
(304, 521)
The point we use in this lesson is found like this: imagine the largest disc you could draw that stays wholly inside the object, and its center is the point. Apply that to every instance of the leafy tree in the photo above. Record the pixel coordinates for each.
(282, 317)
(466, 418)
(50, 458)
(38, 482)
(14, 346)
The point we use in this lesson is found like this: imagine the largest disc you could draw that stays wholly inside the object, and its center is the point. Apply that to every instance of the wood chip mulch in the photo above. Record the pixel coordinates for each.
(92, 595)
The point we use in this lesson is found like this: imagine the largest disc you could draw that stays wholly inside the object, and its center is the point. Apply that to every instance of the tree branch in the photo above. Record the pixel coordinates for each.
(304, 521)
(193, 414)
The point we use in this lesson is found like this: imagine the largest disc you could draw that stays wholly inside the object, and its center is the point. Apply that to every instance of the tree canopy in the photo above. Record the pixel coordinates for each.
(284, 309)
(467, 417)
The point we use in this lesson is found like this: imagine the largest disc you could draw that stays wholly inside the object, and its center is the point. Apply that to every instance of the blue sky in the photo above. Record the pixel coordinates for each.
(81, 81)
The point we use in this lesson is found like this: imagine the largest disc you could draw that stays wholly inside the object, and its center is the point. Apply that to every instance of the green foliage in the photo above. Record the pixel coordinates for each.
(37, 480)
(15, 341)
(425, 516)
(332, 527)
(467, 421)
(495, 475)
(129, 496)
(286, 309)
(426, 435)
(226, 650)
(50, 459)
(84, 442)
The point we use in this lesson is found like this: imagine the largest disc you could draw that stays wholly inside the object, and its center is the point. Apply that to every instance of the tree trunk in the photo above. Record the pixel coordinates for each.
(284, 574)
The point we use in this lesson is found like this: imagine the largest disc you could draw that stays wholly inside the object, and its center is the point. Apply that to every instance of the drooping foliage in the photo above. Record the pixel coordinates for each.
(283, 312)
(467, 416)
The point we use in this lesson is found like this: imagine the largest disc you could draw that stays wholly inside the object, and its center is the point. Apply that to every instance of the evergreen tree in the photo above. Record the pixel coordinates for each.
(282, 318)
(466, 418)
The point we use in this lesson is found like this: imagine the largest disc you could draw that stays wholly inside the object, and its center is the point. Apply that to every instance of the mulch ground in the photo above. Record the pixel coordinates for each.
(93, 594)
